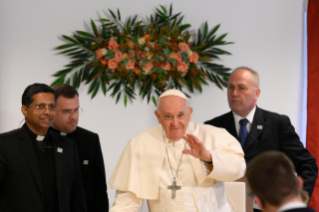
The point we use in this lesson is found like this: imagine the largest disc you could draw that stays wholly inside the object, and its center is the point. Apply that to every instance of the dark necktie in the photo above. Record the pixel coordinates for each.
(243, 133)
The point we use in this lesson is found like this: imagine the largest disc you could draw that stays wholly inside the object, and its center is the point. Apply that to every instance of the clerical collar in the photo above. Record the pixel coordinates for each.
(41, 142)
(34, 137)
(71, 135)
(58, 131)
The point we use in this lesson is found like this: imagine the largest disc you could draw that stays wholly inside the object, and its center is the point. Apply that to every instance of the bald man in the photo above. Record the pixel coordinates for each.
(178, 165)
(259, 130)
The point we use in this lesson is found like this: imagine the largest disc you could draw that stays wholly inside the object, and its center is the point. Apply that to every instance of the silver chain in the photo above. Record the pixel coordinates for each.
(169, 161)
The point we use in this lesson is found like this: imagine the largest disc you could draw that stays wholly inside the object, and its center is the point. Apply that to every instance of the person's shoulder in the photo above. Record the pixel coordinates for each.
(217, 120)
(86, 132)
(208, 129)
(270, 114)
(9, 134)
(149, 135)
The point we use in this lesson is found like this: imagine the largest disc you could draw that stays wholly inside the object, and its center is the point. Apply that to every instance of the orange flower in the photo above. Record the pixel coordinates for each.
(113, 44)
(98, 54)
(183, 46)
(157, 47)
(147, 37)
(126, 56)
(148, 67)
(139, 54)
(131, 44)
(178, 57)
(130, 65)
(193, 58)
(118, 56)
(181, 66)
(174, 47)
(103, 62)
(166, 66)
(112, 64)
(144, 54)
(137, 70)
(150, 55)
(132, 53)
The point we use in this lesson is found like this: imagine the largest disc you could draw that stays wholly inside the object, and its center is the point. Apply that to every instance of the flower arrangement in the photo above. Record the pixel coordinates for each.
(120, 56)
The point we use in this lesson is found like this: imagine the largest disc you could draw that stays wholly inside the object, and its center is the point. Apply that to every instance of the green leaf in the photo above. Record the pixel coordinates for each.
(65, 46)
(205, 30)
(86, 34)
(170, 9)
(118, 97)
(92, 86)
(154, 100)
(69, 50)
(113, 15)
(125, 100)
(163, 8)
(133, 20)
(75, 78)
(68, 81)
(59, 80)
(117, 87)
(118, 14)
(220, 38)
(94, 28)
(199, 37)
(69, 39)
(180, 20)
(62, 72)
(104, 20)
(185, 26)
(212, 32)
(96, 89)
(103, 84)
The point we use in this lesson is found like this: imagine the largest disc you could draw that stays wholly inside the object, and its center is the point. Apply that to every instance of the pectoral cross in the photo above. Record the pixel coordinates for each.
(174, 188)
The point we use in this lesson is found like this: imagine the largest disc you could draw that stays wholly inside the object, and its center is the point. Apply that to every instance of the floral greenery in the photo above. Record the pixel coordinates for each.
(154, 56)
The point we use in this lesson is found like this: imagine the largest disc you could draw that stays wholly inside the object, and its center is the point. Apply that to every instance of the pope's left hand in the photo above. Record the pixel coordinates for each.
(198, 150)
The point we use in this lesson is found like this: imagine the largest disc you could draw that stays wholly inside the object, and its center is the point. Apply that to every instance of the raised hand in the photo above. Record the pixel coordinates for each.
(197, 148)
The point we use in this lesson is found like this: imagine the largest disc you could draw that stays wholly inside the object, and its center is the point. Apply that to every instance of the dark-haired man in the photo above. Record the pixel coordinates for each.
(272, 180)
(39, 170)
(88, 145)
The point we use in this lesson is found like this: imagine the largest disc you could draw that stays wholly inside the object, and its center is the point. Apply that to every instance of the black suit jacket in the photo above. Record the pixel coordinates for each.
(21, 187)
(277, 133)
(300, 210)
(92, 167)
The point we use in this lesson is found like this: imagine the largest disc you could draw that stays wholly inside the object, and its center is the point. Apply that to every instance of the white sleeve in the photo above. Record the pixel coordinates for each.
(126, 201)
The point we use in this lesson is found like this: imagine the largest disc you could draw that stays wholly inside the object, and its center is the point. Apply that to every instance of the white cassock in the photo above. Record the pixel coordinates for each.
(143, 172)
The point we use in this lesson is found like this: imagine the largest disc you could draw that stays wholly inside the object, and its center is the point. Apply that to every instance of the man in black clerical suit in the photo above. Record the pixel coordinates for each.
(88, 145)
(39, 170)
(274, 186)
(262, 130)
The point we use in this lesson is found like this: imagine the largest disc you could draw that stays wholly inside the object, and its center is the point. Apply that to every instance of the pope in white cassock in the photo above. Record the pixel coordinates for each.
(178, 165)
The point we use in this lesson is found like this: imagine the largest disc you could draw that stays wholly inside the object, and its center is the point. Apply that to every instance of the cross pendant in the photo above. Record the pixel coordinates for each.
(174, 188)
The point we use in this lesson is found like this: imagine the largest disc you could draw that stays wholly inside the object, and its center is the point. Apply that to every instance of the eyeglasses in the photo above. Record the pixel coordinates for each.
(42, 107)
(69, 112)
